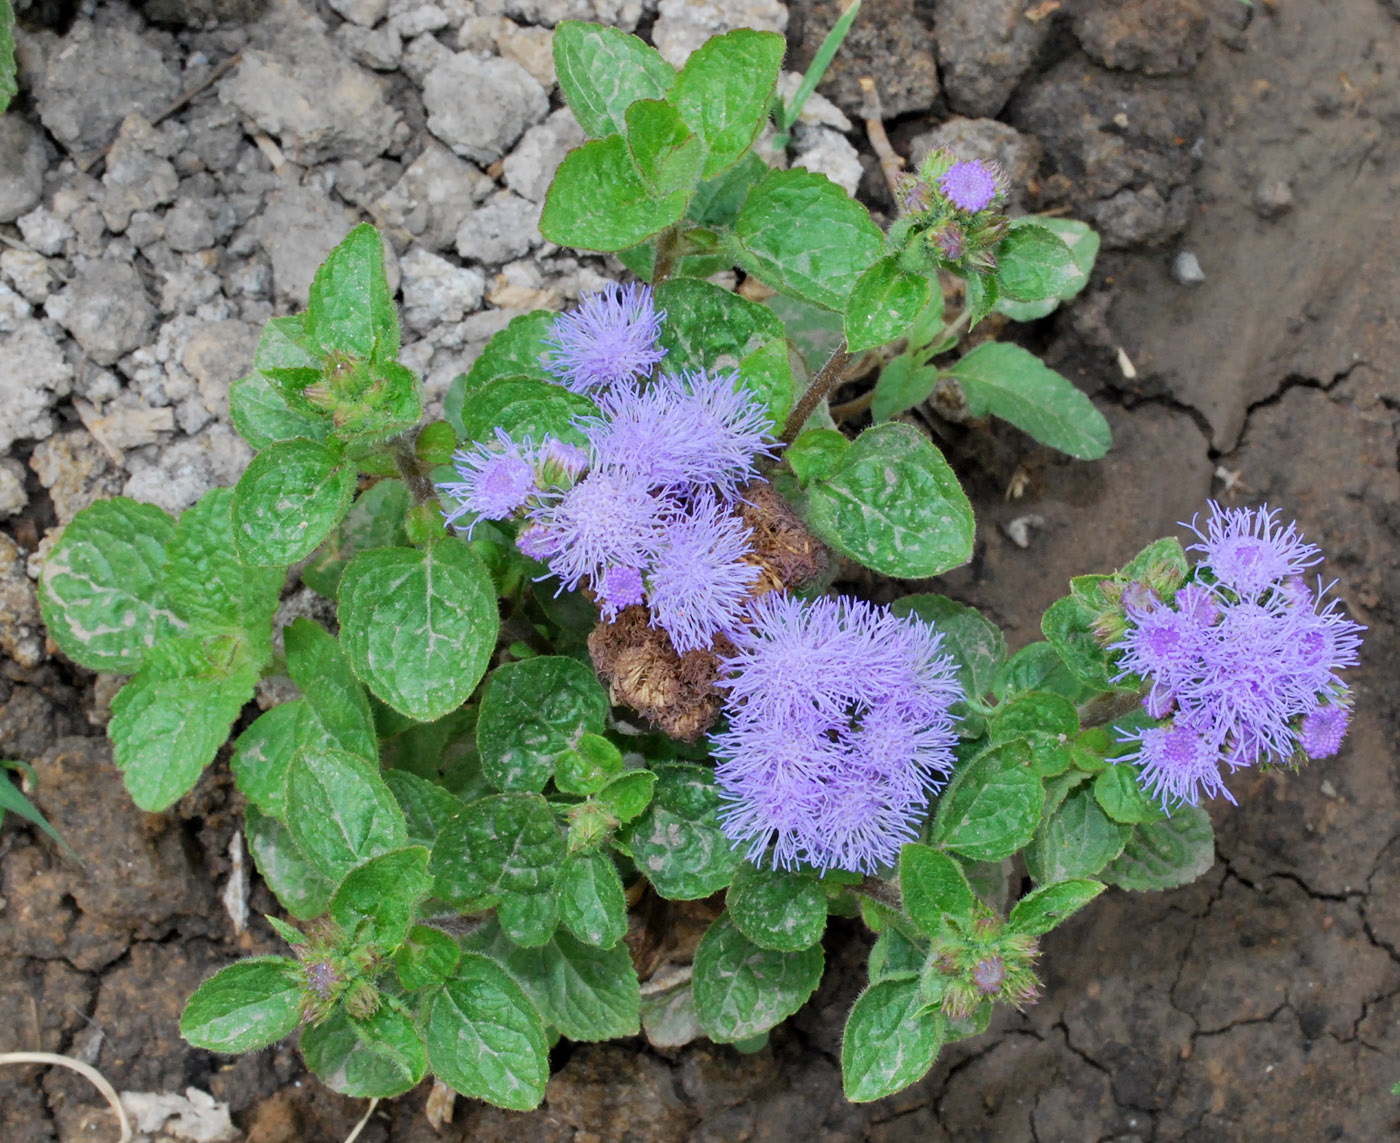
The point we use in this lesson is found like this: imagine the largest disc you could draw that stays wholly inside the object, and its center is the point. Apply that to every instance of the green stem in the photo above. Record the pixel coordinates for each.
(822, 384)
(1108, 707)
(668, 245)
(414, 474)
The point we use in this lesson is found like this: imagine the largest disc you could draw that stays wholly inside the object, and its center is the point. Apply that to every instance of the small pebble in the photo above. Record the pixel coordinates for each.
(1186, 269)
(1273, 198)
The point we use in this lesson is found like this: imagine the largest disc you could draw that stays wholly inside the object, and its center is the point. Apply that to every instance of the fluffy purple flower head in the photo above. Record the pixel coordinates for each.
(699, 584)
(1249, 550)
(838, 723)
(1179, 764)
(561, 462)
(619, 587)
(537, 542)
(681, 432)
(1323, 729)
(610, 338)
(605, 520)
(970, 185)
(496, 481)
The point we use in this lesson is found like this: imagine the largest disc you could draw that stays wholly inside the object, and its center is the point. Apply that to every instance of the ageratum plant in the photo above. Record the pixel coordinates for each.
(589, 662)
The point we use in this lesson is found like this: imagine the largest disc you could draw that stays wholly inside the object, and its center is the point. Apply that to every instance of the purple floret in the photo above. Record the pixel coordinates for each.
(699, 584)
(970, 186)
(496, 480)
(612, 337)
(697, 430)
(1179, 764)
(619, 587)
(1323, 729)
(1249, 551)
(838, 726)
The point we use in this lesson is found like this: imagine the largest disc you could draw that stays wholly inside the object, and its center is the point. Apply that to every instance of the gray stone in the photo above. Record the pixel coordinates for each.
(22, 173)
(421, 55)
(530, 168)
(76, 470)
(505, 226)
(896, 48)
(44, 230)
(984, 48)
(297, 229)
(34, 376)
(828, 153)
(1141, 216)
(818, 110)
(105, 308)
(21, 629)
(1186, 269)
(532, 49)
(177, 474)
(216, 355)
(366, 13)
(435, 292)
(480, 107)
(188, 227)
(683, 25)
(98, 77)
(13, 497)
(434, 196)
(986, 139)
(307, 93)
(137, 176)
(1273, 198)
(377, 48)
(29, 273)
(413, 18)
(1156, 37)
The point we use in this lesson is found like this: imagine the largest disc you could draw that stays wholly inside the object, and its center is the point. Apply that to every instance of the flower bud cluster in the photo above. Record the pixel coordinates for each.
(950, 215)
(985, 960)
(1242, 662)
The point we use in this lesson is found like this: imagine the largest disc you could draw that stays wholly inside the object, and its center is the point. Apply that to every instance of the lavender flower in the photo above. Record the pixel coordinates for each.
(606, 520)
(838, 724)
(681, 432)
(1246, 665)
(970, 186)
(610, 338)
(700, 582)
(619, 587)
(496, 481)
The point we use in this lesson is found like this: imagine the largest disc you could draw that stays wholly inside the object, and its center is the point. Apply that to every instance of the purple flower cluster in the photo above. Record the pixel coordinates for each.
(646, 515)
(1244, 662)
(838, 723)
(971, 185)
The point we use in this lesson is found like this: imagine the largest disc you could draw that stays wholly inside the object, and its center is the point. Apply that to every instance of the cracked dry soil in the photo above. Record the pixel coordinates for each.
(1261, 1003)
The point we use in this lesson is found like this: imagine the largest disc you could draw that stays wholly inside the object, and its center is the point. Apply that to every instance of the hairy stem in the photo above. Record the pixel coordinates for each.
(668, 246)
(821, 385)
(1106, 708)
(412, 469)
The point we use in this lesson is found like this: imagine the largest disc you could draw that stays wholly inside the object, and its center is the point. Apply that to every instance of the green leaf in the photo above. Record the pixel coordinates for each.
(100, 593)
(894, 505)
(1083, 242)
(374, 521)
(1037, 667)
(287, 501)
(1119, 791)
(375, 902)
(262, 416)
(205, 581)
(1068, 626)
(742, 989)
(888, 1043)
(8, 87)
(286, 358)
(587, 993)
(1165, 854)
(588, 767)
(1034, 715)
(531, 712)
(1042, 909)
(815, 454)
(318, 666)
(667, 156)
(419, 627)
(518, 351)
(975, 642)
(523, 407)
(992, 806)
(896, 954)
(1078, 840)
(800, 233)
(1034, 264)
(602, 71)
(724, 90)
(627, 795)
(170, 720)
(427, 957)
(427, 807)
(1007, 381)
(776, 909)
(340, 812)
(13, 800)
(598, 201)
(902, 384)
(262, 754)
(933, 886)
(709, 328)
(368, 1059)
(500, 847)
(246, 1006)
(296, 883)
(884, 303)
(591, 901)
(351, 308)
(484, 1037)
(677, 842)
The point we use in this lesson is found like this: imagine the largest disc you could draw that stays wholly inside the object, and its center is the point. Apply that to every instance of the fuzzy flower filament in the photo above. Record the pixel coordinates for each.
(611, 338)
